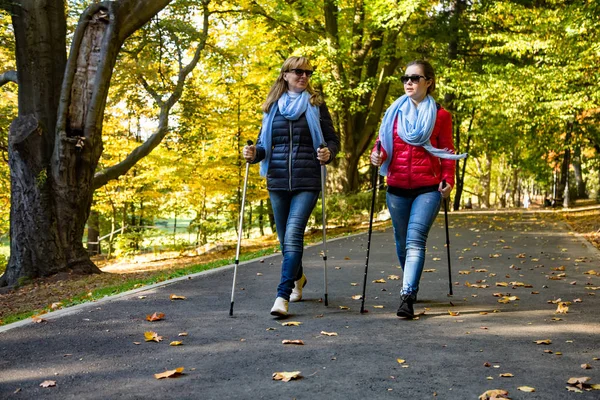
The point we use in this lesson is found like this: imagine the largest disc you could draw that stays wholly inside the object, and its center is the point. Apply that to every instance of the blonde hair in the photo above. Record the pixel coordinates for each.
(281, 86)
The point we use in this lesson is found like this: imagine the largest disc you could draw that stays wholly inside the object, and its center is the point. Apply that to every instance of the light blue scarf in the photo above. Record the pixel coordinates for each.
(415, 125)
(291, 109)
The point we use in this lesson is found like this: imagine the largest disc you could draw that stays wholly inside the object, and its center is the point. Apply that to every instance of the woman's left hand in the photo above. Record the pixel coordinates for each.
(323, 155)
(445, 190)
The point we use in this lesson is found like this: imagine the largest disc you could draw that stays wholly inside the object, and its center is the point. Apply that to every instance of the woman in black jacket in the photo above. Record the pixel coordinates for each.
(295, 123)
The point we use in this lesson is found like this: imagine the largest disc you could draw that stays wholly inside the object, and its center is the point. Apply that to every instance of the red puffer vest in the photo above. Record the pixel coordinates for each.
(413, 167)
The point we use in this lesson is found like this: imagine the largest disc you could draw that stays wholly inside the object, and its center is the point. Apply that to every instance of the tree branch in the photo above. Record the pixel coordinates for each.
(8, 76)
(104, 176)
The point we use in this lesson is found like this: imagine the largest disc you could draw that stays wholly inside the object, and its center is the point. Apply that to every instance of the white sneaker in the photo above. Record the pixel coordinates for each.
(297, 291)
(280, 308)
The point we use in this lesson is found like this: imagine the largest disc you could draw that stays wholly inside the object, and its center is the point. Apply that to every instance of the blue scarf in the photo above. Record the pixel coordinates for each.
(291, 109)
(415, 125)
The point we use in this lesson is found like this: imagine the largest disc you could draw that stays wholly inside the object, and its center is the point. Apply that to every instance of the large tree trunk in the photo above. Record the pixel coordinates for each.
(55, 143)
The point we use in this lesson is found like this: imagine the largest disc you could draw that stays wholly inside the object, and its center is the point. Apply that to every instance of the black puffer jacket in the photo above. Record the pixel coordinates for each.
(298, 168)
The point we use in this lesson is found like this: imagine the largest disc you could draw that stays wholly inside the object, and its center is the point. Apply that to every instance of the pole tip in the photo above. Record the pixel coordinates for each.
(326, 300)
(231, 310)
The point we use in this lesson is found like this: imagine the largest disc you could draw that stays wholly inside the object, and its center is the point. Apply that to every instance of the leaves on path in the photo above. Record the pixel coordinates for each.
(379, 281)
(286, 376)
(543, 341)
(494, 394)
(46, 384)
(357, 297)
(329, 333)
(176, 297)
(393, 277)
(295, 341)
(562, 308)
(291, 323)
(528, 389)
(506, 375)
(174, 373)
(400, 361)
(152, 337)
(155, 317)
(176, 343)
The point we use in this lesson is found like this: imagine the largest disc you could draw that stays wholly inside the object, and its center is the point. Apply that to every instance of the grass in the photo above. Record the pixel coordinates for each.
(77, 291)
(37, 297)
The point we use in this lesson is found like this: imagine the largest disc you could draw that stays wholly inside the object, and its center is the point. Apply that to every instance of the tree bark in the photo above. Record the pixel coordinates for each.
(55, 143)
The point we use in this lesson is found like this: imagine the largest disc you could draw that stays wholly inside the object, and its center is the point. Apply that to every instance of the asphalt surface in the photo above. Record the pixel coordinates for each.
(90, 350)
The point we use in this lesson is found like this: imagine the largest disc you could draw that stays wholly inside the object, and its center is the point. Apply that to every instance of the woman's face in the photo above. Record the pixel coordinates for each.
(416, 90)
(297, 78)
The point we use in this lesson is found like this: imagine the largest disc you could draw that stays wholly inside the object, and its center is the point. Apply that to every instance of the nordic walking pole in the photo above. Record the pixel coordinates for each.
(324, 214)
(447, 241)
(374, 180)
(240, 230)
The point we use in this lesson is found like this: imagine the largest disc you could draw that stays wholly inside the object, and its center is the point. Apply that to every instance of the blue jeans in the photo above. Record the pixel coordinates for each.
(292, 211)
(412, 218)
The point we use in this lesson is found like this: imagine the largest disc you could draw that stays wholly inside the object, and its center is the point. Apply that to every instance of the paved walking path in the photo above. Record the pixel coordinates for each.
(90, 351)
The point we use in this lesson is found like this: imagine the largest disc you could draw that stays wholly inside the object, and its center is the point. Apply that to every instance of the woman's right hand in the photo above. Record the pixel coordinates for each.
(249, 153)
(376, 158)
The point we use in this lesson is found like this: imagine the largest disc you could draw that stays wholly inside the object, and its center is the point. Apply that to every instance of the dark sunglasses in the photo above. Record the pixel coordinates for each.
(412, 78)
(300, 72)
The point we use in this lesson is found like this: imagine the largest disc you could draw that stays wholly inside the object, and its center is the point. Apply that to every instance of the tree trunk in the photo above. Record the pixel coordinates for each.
(55, 143)
(579, 181)
(93, 246)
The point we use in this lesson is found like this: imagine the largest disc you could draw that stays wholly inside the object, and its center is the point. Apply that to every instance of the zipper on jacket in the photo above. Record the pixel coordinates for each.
(290, 158)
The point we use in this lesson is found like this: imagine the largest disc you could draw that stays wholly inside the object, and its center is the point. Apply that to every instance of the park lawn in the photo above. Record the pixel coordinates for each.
(64, 290)
(42, 295)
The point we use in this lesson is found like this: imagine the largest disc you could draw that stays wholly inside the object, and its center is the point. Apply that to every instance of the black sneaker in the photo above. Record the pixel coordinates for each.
(406, 309)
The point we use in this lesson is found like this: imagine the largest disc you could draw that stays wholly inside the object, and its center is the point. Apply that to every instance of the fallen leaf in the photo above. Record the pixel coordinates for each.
(494, 394)
(580, 380)
(393, 277)
(37, 320)
(543, 341)
(464, 272)
(562, 308)
(56, 305)
(586, 366)
(46, 384)
(137, 343)
(353, 284)
(454, 313)
(175, 297)
(429, 270)
(291, 323)
(183, 334)
(357, 297)
(295, 341)
(377, 306)
(506, 375)
(152, 337)
(526, 389)
(379, 281)
(170, 374)
(259, 274)
(481, 270)
(139, 297)
(329, 333)
(155, 317)
(344, 308)
(502, 284)
(286, 376)
(176, 343)
(400, 361)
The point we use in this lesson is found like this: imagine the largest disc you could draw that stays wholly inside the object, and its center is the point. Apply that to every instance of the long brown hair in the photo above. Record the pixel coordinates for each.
(280, 86)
